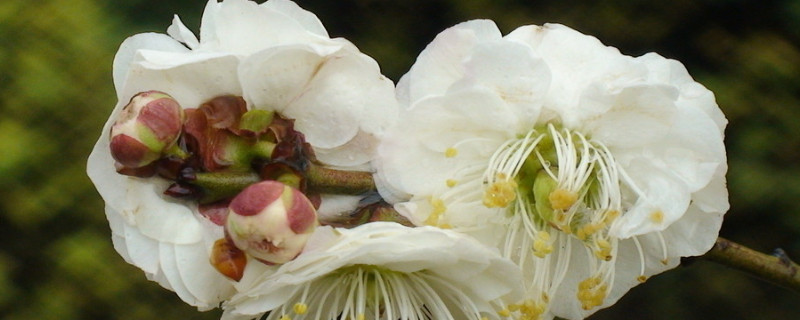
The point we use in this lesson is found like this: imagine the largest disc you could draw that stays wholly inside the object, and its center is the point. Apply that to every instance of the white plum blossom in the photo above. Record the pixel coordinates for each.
(278, 57)
(382, 270)
(592, 170)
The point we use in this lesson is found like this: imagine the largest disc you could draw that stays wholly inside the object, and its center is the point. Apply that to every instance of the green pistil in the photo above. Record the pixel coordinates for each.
(543, 186)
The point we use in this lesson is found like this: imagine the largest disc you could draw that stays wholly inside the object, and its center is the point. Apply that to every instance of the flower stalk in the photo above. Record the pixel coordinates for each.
(776, 268)
(326, 180)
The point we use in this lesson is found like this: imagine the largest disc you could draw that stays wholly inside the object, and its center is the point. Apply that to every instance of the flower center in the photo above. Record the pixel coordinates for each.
(361, 292)
(558, 186)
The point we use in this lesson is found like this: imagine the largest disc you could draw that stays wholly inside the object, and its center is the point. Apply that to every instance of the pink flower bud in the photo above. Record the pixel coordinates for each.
(271, 221)
(147, 126)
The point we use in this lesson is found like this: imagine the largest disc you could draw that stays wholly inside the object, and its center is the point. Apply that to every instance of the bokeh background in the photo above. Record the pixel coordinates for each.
(56, 258)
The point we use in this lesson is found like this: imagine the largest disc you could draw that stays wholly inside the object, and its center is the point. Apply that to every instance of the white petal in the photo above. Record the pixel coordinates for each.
(196, 80)
(330, 111)
(178, 31)
(694, 234)
(333, 206)
(244, 27)
(308, 20)
(511, 70)
(632, 118)
(143, 251)
(169, 267)
(439, 64)
(208, 22)
(273, 78)
(663, 200)
(714, 196)
(205, 283)
(128, 49)
(575, 60)
(358, 151)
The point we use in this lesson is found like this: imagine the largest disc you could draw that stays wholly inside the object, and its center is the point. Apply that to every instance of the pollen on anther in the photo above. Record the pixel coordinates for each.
(438, 209)
(500, 194)
(285, 317)
(451, 183)
(300, 308)
(450, 152)
(561, 199)
(504, 313)
(641, 279)
(657, 216)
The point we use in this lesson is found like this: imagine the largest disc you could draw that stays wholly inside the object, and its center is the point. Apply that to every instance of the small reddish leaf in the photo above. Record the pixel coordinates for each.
(228, 260)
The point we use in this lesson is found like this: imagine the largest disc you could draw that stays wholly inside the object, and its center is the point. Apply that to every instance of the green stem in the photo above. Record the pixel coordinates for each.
(326, 180)
(220, 185)
(778, 268)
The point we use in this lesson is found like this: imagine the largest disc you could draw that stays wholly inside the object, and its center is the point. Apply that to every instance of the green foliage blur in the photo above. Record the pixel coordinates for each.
(56, 258)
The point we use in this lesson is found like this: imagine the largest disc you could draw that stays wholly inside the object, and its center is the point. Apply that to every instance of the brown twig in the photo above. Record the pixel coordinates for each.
(776, 268)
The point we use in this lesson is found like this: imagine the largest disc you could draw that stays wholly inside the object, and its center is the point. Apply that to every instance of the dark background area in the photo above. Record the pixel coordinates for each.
(56, 258)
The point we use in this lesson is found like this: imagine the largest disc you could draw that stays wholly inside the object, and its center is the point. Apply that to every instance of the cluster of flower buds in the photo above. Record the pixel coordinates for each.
(246, 169)
(235, 163)
(211, 152)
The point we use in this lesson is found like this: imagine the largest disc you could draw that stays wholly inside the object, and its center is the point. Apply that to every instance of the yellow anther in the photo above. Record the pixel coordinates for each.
(541, 244)
(451, 183)
(561, 199)
(285, 317)
(484, 318)
(664, 261)
(504, 313)
(360, 316)
(438, 209)
(657, 216)
(603, 251)
(641, 279)
(603, 254)
(445, 226)
(513, 307)
(611, 215)
(500, 194)
(581, 234)
(590, 229)
(532, 309)
(300, 308)
(450, 152)
(591, 292)
(589, 283)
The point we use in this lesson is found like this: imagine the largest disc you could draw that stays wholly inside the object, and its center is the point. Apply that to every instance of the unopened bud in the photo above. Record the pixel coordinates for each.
(271, 221)
(146, 127)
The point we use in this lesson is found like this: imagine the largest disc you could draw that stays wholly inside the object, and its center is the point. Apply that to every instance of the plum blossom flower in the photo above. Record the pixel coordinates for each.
(382, 270)
(272, 56)
(590, 169)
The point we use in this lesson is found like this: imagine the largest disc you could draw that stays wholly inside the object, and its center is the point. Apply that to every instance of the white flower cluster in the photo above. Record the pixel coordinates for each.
(543, 173)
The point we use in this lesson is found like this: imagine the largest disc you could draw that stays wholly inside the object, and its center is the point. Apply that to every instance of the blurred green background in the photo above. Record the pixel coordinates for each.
(56, 258)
